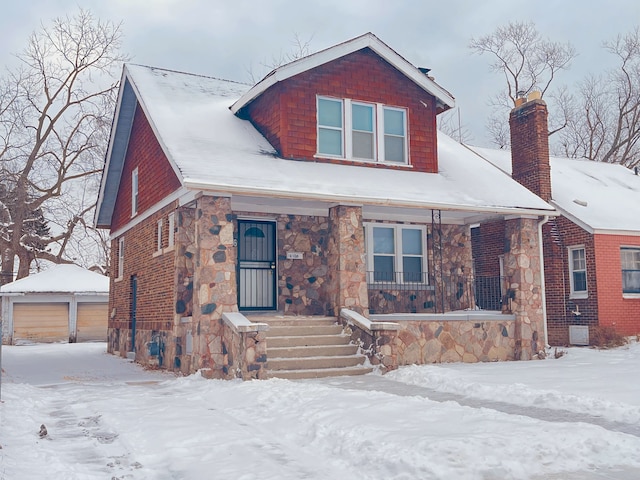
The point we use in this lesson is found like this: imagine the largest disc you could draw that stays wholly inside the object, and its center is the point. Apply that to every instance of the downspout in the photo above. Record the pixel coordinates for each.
(542, 281)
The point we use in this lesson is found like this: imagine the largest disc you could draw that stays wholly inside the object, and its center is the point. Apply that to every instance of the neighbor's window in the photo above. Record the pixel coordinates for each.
(172, 228)
(120, 257)
(578, 271)
(395, 253)
(134, 192)
(362, 131)
(630, 259)
(159, 236)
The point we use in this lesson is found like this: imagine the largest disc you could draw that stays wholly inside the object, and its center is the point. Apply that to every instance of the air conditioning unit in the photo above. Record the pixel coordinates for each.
(578, 334)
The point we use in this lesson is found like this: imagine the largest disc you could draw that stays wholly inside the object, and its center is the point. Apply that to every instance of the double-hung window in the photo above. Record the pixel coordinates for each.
(395, 253)
(578, 272)
(630, 260)
(362, 131)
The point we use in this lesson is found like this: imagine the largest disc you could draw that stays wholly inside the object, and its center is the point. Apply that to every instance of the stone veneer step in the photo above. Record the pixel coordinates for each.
(312, 351)
(320, 373)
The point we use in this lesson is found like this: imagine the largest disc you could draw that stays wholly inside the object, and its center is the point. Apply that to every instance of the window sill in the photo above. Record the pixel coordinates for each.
(631, 296)
(169, 249)
(157, 253)
(117, 280)
(577, 296)
(363, 161)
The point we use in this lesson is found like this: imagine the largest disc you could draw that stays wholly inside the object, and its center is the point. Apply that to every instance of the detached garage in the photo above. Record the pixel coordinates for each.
(65, 303)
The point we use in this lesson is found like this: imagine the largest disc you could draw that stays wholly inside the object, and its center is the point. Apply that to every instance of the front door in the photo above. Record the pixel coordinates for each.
(256, 265)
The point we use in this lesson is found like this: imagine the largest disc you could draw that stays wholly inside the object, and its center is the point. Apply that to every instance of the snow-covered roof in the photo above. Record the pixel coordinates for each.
(212, 149)
(368, 40)
(63, 278)
(600, 197)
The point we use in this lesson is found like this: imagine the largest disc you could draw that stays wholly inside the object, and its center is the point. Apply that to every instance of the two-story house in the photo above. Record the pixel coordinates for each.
(323, 195)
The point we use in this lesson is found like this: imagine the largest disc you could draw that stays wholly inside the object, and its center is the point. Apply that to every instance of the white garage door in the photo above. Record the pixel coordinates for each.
(40, 322)
(92, 322)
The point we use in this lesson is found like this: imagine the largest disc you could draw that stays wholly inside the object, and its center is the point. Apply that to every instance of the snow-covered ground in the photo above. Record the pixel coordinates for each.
(574, 417)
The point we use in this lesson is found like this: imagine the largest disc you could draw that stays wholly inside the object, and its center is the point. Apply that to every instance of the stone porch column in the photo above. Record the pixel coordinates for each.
(346, 261)
(522, 267)
(214, 282)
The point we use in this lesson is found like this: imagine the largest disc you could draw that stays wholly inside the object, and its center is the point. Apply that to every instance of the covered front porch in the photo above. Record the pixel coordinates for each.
(408, 270)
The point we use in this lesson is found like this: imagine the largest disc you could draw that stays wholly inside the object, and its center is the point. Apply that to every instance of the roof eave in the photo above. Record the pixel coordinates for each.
(337, 198)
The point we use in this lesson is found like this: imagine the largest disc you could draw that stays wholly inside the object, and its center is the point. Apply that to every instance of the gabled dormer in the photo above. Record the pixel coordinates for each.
(358, 102)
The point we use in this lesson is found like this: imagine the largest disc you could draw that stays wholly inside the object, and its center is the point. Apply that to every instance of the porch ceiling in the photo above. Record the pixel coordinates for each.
(274, 205)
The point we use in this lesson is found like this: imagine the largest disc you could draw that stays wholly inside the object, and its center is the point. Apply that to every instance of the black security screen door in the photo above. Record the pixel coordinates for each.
(256, 265)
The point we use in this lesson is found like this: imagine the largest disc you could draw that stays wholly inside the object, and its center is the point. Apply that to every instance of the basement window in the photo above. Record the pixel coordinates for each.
(630, 260)
(578, 272)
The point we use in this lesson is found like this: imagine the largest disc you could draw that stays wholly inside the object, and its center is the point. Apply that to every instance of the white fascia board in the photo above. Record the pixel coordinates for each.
(628, 233)
(585, 226)
(341, 199)
(332, 53)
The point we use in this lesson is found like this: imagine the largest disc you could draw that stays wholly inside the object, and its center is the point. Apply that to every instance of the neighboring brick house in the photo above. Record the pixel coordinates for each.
(592, 251)
(323, 190)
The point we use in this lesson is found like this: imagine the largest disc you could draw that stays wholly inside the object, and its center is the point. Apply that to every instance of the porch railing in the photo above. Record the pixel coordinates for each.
(412, 292)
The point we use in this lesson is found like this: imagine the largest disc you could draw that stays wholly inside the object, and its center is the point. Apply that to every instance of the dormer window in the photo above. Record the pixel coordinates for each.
(362, 131)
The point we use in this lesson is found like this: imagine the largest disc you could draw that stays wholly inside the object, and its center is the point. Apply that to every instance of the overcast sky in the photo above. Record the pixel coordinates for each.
(228, 38)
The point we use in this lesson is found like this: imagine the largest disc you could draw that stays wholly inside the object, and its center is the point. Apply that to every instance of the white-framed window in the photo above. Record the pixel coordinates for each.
(578, 272)
(396, 253)
(171, 219)
(134, 191)
(361, 131)
(630, 260)
(159, 226)
(120, 257)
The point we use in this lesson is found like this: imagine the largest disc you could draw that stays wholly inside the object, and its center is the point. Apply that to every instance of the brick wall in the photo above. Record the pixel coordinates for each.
(487, 244)
(155, 274)
(559, 234)
(621, 313)
(156, 178)
(286, 114)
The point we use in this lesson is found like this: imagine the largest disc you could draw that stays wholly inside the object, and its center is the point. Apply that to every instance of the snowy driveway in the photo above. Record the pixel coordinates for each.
(573, 418)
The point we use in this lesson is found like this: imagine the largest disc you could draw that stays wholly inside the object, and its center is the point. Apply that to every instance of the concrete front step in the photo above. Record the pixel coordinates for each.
(302, 330)
(312, 351)
(320, 373)
(305, 363)
(307, 340)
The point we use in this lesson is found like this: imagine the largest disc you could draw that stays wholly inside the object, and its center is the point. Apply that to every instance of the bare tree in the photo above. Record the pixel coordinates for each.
(299, 48)
(450, 122)
(55, 114)
(605, 115)
(527, 61)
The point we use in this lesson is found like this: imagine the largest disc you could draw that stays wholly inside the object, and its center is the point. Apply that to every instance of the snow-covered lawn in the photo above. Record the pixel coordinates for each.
(574, 417)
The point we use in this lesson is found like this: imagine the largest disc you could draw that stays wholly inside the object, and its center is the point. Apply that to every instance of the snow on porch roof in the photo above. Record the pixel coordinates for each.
(601, 197)
(64, 278)
(211, 149)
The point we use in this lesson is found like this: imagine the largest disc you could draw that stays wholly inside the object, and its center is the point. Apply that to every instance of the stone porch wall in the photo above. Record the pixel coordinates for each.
(421, 342)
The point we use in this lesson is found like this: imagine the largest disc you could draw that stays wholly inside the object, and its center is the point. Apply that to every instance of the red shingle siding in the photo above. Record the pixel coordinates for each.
(286, 113)
(530, 147)
(156, 178)
(615, 310)
(155, 278)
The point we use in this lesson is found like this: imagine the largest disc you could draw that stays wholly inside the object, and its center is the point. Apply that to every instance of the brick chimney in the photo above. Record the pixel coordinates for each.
(530, 145)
